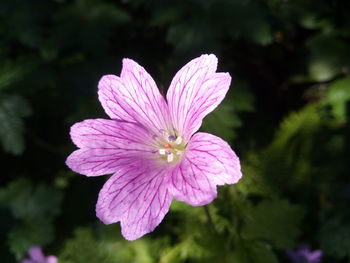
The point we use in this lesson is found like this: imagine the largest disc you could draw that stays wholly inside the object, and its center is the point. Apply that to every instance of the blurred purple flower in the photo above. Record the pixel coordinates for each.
(304, 255)
(150, 144)
(36, 256)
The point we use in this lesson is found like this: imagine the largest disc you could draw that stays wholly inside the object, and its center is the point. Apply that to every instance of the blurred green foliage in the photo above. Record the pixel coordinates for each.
(286, 115)
(335, 237)
(12, 109)
(278, 215)
(33, 209)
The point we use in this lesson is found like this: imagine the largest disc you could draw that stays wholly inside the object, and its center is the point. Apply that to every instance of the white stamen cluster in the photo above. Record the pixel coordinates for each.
(172, 148)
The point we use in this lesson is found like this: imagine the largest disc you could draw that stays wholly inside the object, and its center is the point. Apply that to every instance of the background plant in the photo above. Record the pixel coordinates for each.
(286, 115)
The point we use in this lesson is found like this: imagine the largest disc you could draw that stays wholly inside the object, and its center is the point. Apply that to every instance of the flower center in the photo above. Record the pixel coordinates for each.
(171, 148)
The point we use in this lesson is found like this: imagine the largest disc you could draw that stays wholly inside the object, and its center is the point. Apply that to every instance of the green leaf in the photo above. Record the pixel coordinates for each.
(294, 142)
(253, 251)
(254, 182)
(28, 202)
(83, 248)
(98, 10)
(28, 233)
(338, 95)
(12, 111)
(335, 238)
(178, 206)
(276, 222)
(88, 246)
(224, 120)
(241, 96)
(300, 124)
(188, 248)
(329, 55)
(9, 74)
(34, 209)
(311, 21)
(286, 163)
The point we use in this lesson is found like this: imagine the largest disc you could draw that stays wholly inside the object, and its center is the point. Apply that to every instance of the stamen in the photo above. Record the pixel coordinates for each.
(178, 152)
(178, 140)
(162, 151)
(170, 158)
(171, 148)
(171, 138)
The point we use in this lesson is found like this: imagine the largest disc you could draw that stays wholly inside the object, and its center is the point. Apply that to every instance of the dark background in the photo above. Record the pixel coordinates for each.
(286, 116)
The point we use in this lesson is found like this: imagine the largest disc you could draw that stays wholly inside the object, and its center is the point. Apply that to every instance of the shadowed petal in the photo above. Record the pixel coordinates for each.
(134, 97)
(304, 254)
(107, 144)
(36, 254)
(138, 197)
(195, 91)
(315, 256)
(209, 161)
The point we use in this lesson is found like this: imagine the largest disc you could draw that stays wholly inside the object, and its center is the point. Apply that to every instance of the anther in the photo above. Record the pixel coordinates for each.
(162, 151)
(170, 158)
(178, 152)
(178, 140)
(171, 138)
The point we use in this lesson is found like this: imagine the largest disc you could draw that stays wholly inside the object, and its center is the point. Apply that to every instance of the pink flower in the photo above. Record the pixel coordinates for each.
(36, 256)
(151, 147)
(303, 254)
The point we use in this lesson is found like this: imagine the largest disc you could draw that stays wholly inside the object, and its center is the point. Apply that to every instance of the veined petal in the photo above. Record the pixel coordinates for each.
(108, 88)
(109, 134)
(107, 144)
(195, 91)
(134, 97)
(95, 162)
(138, 197)
(217, 155)
(209, 161)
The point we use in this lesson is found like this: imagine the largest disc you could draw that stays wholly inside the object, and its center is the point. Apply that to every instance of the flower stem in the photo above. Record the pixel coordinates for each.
(210, 220)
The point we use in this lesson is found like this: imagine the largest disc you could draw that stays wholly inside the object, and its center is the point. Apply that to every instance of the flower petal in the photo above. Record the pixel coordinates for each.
(108, 88)
(209, 161)
(195, 91)
(36, 254)
(314, 256)
(134, 96)
(107, 144)
(51, 259)
(110, 134)
(138, 197)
